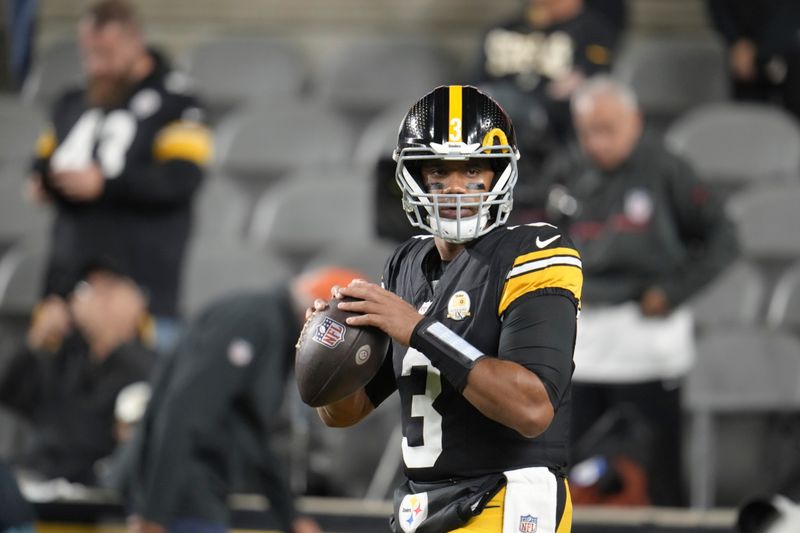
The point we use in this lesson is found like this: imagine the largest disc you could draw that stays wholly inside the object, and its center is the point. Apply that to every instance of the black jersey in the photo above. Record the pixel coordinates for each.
(444, 436)
(151, 150)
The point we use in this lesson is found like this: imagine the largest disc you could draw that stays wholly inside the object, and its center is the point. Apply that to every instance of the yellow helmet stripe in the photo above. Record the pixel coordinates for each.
(454, 125)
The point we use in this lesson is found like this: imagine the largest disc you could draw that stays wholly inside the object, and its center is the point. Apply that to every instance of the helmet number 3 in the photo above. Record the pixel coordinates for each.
(455, 130)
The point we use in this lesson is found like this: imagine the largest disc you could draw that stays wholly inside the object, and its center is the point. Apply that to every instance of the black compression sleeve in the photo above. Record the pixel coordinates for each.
(539, 334)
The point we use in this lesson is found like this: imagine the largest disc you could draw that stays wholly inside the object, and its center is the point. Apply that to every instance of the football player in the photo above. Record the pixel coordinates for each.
(482, 319)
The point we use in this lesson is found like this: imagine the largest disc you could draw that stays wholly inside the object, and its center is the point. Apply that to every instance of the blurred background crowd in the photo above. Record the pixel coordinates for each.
(240, 143)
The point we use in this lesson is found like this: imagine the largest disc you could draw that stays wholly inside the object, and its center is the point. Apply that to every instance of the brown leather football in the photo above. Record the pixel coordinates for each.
(334, 359)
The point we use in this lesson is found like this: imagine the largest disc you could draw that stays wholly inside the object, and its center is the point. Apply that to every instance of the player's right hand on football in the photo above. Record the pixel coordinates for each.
(380, 308)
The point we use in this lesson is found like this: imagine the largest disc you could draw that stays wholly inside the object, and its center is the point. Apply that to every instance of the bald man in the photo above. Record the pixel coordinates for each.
(651, 234)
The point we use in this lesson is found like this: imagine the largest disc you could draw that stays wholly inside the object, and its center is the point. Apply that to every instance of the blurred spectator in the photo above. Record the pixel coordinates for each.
(21, 20)
(212, 407)
(79, 354)
(614, 11)
(16, 514)
(121, 161)
(769, 514)
(129, 409)
(535, 62)
(650, 235)
(763, 40)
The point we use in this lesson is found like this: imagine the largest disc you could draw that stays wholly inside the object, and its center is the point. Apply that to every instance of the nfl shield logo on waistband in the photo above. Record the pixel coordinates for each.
(528, 523)
(330, 333)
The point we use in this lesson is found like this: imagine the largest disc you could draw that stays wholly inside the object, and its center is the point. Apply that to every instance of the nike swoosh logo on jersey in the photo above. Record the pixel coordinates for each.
(542, 243)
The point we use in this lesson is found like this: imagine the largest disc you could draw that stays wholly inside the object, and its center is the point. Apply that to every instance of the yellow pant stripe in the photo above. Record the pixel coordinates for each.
(565, 524)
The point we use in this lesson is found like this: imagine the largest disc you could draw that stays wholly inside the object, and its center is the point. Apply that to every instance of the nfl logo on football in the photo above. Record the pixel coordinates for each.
(528, 523)
(330, 333)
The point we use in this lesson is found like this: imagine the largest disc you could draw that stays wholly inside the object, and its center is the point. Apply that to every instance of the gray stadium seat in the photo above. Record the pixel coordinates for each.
(57, 68)
(673, 75)
(767, 220)
(217, 267)
(745, 369)
(22, 271)
(736, 144)
(379, 138)
(371, 75)
(738, 370)
(18, 217)
(311, 210)
(20, 125)
(784, 306)
(221, 209)
(369, 256)
(232, 70)
(261, 143)
(736, 298)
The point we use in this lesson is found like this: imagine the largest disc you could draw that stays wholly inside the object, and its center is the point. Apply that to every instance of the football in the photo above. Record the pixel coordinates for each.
(334, 359)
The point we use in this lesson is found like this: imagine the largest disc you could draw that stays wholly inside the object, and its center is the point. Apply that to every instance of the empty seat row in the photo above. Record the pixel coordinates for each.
(670, 74)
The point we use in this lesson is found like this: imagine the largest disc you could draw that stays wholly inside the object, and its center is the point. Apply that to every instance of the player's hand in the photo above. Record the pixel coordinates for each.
(654, 302)
(742, 59)
(50, 324)
(137, 524)
(380, 308)
(34, 191)
(80, 185)
(318, 305)
(563, 87)
(305, 525)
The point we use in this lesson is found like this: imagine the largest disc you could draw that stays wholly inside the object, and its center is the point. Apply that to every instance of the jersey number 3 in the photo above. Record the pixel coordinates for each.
(424, 455)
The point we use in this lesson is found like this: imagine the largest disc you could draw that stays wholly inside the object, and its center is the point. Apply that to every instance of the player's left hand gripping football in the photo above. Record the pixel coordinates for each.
(380, 308)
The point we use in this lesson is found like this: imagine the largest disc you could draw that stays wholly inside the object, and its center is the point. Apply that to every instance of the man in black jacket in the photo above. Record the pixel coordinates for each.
(651, 235)
(121, 161)
(763, 41)
(540, 58)
(65, 380)
(214, 399)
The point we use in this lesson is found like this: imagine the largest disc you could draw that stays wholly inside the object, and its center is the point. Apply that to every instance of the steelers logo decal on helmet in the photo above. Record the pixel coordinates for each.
(456, 123)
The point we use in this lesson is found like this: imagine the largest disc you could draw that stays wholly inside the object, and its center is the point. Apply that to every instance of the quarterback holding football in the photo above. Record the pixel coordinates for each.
(482, 320)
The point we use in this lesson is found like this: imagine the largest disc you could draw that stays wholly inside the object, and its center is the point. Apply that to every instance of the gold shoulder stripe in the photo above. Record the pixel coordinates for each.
(46, 143)
(541, 254)
(183, 140)
(556, 268)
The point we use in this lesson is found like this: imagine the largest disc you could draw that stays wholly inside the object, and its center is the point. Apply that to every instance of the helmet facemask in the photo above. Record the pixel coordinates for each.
(423, 207)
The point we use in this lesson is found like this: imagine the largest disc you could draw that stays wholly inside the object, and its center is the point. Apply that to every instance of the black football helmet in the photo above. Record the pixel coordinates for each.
(456, 122)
